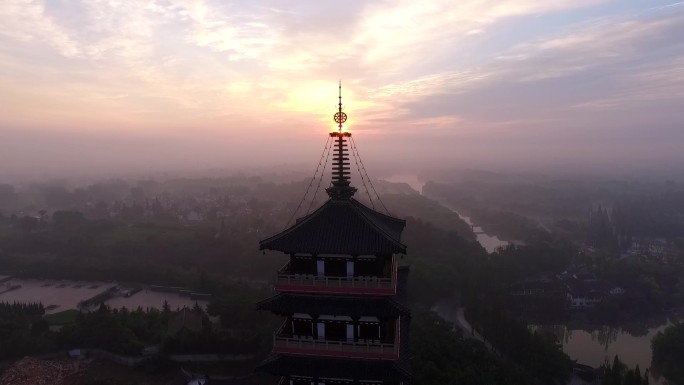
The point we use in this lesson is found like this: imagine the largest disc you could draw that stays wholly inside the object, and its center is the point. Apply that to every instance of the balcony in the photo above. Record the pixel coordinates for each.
(285, 342)
(286, 280)
(307, 345)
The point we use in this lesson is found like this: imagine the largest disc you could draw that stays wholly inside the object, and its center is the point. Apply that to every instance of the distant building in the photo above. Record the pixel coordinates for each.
(617, 290)
(194, 216)
(584, 290)
(536, 287)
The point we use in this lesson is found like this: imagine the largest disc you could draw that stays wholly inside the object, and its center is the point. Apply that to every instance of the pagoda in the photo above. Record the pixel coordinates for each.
(341, 292)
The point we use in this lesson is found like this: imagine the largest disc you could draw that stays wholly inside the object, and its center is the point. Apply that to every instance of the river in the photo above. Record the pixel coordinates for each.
(593, 346)
(489, 241)
(596, 346)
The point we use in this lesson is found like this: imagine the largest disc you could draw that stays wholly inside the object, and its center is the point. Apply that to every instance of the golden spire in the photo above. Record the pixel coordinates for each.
(340, 188)
(340, 117)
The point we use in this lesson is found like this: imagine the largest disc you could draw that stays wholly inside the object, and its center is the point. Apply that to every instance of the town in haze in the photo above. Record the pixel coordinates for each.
(202, 192)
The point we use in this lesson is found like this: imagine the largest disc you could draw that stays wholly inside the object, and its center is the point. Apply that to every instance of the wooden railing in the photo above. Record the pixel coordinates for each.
(285, 342)
(363, 348)
(310, 282)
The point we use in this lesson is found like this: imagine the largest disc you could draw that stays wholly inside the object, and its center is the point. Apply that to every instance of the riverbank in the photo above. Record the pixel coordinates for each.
(489, 241)
(596, 345)
(61, 295)
(588, 345)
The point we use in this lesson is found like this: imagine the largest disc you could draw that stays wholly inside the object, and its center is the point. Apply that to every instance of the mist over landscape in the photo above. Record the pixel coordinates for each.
(198, 192)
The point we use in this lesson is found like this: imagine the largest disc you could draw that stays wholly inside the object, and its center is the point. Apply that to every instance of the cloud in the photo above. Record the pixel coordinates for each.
(653, 84)
(27, 21)
(602, 64)
(523, 69)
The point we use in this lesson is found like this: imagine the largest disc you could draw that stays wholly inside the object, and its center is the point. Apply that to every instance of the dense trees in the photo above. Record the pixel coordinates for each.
(208, 254)
(442, 264)
(619, 374)
(22, 330)
(668, 353)
(418, 206)
(443, 356)
(540, 355)
(72, 248)
(607, 213)
(240, 330)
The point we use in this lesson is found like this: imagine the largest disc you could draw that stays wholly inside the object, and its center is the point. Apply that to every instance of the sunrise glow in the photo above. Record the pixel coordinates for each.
(201, 75)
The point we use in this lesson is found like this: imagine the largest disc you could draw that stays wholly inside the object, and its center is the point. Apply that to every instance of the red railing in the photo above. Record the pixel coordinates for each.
(308, 345)
(311, 283)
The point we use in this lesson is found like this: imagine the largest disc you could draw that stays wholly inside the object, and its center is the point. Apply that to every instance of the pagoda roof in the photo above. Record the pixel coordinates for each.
(353, 306)
(341, 226)
(374, 370)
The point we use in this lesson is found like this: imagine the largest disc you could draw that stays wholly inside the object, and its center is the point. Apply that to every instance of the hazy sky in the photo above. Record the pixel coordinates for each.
(163, 84)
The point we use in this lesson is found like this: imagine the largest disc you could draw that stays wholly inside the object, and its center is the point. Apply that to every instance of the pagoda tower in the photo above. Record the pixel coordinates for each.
(341, 292)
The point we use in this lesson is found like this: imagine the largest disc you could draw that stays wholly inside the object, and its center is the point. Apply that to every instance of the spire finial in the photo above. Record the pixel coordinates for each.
(340, 117)
(341, 188)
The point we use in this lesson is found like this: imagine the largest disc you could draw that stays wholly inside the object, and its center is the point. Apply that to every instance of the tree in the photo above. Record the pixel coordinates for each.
(197, 309)
(166, 309)
(668, 353)
(67, 218)
(28, 224)
(7, 194)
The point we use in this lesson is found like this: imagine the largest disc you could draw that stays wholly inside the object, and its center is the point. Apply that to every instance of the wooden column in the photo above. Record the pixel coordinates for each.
(355, 320)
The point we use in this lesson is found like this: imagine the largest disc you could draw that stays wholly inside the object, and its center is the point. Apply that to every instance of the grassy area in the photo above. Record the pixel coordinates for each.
(62, 318)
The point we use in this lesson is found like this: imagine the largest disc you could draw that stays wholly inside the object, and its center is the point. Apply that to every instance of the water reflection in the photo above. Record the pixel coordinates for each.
(605, 336)
(598, 345)
(489, 242)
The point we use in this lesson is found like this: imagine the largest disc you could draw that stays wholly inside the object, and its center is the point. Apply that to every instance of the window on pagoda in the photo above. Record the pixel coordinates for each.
(302, 327)
(369, 328)
(371, 267)
(336, 267)
(303, 265)
(336, 331)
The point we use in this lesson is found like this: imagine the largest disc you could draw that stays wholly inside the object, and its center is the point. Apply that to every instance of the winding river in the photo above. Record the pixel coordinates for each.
(591, 346)
(489, 241)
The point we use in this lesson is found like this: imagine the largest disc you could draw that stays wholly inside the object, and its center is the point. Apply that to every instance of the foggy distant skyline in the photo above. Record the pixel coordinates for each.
(123, 86)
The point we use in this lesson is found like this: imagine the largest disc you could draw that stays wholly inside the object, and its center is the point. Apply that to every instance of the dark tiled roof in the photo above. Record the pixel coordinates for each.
(286, 303)
(375, 370)
(341, 227)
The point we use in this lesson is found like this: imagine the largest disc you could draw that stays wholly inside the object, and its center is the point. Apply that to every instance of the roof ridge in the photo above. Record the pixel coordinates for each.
(328, 222)
(298, 223)
(356, 202)
(372, 222)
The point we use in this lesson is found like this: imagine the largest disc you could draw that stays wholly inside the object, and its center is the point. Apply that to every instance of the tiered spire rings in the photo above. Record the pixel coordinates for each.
(341, 186)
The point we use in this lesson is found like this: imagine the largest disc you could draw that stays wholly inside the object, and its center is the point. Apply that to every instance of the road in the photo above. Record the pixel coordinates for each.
(456, 315)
